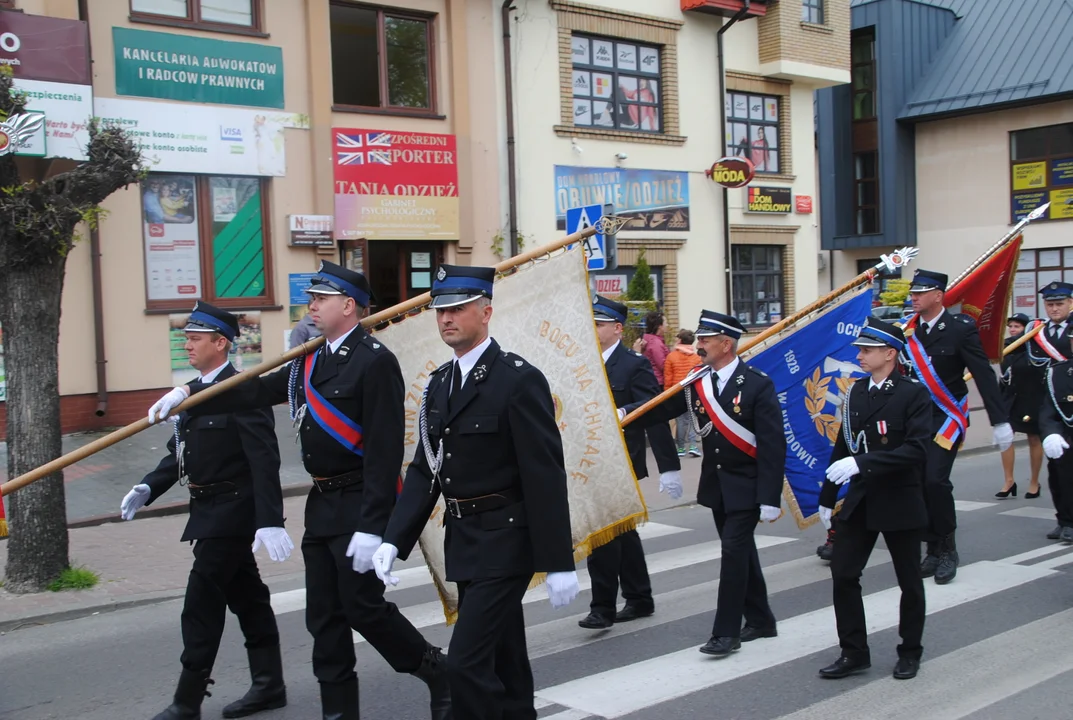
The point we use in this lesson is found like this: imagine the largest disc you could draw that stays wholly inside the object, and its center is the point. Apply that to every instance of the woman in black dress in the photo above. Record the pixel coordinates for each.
(1022, 386)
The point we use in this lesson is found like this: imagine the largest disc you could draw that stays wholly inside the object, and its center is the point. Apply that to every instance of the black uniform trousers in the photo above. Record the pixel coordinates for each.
(1060, 481)
(852, 550)
(487, 660)
(224, 575)
(742, 591)
(938, 490)
(622, 557)
(338, 599)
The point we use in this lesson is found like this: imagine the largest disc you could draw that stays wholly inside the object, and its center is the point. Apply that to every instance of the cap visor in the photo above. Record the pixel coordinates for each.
(923, 288)
(601, 317)
(445, 301)
(704, 332)
(322, 290)
(194, 327)
(869, 342)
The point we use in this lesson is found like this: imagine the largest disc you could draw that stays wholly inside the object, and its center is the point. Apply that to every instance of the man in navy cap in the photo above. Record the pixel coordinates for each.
(1053, 345)
(941, 347)
(230, 465)
(736, 412)
(353, 457)
(880, 451)
(633, 383)
(490, 446)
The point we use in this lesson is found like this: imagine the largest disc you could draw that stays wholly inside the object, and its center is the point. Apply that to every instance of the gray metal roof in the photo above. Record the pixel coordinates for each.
(1000, 52)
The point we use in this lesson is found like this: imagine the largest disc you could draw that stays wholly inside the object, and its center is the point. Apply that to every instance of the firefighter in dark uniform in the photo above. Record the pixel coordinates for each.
(347, 398)
(940, 349)
(490, 446)
(633, 383)
(1021, 383)
(229, 462)
(1056, 425)
(1052, 345)
(880, 452)
(737, 414)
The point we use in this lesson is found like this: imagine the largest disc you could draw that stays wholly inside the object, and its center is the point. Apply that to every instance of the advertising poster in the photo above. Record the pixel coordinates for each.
(395, 185)
(245, 351)
(68, 109)
(299, 300)
(1061, 204)
(652, 199)
(170, 229)
(200, 139)
(197, 69)
(768, 200)
(1024, 293)
(1029, 176)
(1062, 172)
(1025, 202)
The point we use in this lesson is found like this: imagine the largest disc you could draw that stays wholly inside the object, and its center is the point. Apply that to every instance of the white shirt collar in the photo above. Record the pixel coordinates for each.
(334, 344)
(1059, 325)
(725, 372)
(211, 376)
(467, 361)
(929, 323)
(608, 351)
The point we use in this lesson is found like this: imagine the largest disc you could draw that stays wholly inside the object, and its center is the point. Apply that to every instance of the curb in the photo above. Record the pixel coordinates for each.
(7, 626)
(175, 508)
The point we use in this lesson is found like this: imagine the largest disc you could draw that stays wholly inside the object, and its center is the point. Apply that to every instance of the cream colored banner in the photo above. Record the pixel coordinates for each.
(544, 314)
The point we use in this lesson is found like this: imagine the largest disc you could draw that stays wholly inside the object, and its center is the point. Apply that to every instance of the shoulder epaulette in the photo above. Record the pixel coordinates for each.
(758, 371)
(442, 368)
(967, 319)
(510, 359)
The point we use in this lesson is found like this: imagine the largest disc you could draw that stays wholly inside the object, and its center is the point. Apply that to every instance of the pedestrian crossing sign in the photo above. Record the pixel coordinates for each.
(578, 219)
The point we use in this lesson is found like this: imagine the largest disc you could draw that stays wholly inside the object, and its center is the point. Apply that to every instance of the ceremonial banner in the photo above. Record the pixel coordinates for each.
(985, 296)
(3, 520)
(812, 369)
(544, 314)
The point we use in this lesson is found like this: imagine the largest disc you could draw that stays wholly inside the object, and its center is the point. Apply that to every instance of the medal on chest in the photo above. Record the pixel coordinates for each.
(737, 403)
(881, 426)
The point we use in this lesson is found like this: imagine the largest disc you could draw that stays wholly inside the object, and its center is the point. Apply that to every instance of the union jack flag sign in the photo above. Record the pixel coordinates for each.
(361, 148)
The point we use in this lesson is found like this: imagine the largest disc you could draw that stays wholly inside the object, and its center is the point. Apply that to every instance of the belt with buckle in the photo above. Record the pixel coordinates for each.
(460, 508)
(337, 481)
(200, 492)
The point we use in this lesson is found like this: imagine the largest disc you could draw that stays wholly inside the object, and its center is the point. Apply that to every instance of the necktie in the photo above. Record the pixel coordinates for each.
(925, 327)
(1052, 331)
(456, 382)
(873, 393)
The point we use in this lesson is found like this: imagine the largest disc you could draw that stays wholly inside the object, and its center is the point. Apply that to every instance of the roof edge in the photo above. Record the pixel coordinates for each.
(981, 109)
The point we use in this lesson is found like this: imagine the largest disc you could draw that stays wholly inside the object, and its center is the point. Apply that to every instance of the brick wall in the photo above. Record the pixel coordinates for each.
(783, 36)
(77, 412)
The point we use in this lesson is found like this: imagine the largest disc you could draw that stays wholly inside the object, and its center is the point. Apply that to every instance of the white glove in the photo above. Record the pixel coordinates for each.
(383, 559)
(621, 414)
(361, 548)
(137, 497)
(840, 471)
(276, 542)
(825, 517)
(163, 407)
(1053, 446)
(769, 513)
(671, 483)
(562, 588)
(1002, 435)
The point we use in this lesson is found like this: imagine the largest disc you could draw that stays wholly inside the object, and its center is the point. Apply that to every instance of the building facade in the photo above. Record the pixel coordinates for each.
(948, 135)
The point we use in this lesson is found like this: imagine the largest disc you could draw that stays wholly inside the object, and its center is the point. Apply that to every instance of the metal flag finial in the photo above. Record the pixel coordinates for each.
(897, 259)
(16, 131)
(1038, 212)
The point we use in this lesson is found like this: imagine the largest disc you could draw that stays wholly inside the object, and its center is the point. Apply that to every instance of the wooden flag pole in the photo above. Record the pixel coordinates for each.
(606, 224)
(1025, 337)
(895, 260)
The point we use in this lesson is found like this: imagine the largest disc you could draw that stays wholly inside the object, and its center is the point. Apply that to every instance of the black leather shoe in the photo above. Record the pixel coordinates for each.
(1056, 533)
(632, 612)
(593, 621)
(1066, 536)
(721, 646)
(267, 692)
(931, 561)
(844, 667)
(948, 561)
(433, 672)
(826, 551)
(906, 668)
(749, 633)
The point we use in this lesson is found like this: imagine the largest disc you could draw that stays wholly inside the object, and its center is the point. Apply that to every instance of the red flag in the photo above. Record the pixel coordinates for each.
(3, 519)
(984, 295)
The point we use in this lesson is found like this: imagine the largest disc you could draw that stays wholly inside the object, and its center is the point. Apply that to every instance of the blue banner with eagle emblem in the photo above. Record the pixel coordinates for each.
(812, 370)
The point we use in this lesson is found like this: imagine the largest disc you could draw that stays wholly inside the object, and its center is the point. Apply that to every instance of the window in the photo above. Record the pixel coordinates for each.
(863, 54)
(397, 46)
(1035, 269)
(221, 15)
(812, 11)
(1041, 170)
(866, 192)
(753, 129)
(205, 239)
(616, 84)
(757, 282)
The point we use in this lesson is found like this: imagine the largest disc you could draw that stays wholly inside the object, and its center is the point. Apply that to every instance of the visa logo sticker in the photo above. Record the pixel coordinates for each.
(232, 134)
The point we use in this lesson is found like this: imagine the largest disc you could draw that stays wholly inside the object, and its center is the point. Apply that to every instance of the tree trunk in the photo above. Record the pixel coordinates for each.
(37, 514)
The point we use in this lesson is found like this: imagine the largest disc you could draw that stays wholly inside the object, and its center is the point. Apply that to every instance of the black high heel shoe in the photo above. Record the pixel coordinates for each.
(1007, 493)
(1033, 495)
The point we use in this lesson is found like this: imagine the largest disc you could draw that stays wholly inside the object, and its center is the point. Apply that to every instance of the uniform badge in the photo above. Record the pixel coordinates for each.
(376, 346)
(881, 426)
(479, 373)
(343, 351)
(888, 384)
(739, 379)
(518, 363)
(441, 275)
(942, 326)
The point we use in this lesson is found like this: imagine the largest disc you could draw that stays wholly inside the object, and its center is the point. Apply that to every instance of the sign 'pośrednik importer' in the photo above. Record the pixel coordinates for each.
(769, 200)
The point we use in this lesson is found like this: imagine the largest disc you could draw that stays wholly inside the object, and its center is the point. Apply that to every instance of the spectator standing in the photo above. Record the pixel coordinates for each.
(652, 345)
(680, 361)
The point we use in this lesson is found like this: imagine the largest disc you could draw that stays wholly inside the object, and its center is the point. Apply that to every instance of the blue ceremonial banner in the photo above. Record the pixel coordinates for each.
(812, 369)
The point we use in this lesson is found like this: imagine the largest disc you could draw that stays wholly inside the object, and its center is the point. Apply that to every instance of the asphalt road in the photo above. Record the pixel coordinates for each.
(996, 640)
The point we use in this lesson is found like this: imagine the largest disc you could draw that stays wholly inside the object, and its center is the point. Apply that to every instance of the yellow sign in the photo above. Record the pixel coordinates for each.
(1061, 204)
(1029, 176)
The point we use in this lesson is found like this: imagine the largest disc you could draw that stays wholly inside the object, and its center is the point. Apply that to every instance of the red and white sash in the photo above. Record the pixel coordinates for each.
(1045, 344)
(738, 435)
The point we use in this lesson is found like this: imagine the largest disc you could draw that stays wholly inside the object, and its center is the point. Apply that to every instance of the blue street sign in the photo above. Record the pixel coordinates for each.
(583, 217)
